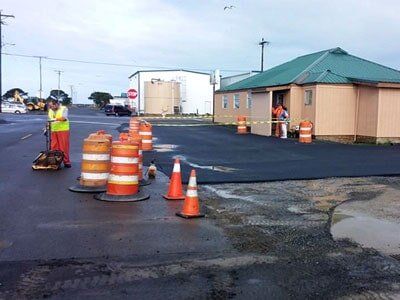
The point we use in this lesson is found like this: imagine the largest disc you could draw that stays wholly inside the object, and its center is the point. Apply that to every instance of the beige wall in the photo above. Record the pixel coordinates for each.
(335, 109)
(308, 111)
(389, 113)
(230, 114)
(295, 104)
(161, 97)
(367, 111)
(260, 111)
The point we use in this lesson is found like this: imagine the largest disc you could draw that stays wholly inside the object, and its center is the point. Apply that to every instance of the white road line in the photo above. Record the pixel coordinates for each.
(26, 136)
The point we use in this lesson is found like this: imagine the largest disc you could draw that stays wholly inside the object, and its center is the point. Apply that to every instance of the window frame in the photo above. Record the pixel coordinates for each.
(249, 104)
(225, 101)
(236, 97)
(308, 97)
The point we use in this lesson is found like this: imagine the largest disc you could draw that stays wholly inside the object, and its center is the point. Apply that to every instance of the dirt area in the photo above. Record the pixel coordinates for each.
(291, 220)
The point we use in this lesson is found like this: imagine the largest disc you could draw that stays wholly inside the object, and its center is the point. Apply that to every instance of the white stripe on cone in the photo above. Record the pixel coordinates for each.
(192, 182)
(177, 168)
(305, 135)
(191, 193)
(147, 141)
(88, 156)
(124, 160)
(94, 176)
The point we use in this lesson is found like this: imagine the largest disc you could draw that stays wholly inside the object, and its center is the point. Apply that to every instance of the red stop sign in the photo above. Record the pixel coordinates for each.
(132, 94)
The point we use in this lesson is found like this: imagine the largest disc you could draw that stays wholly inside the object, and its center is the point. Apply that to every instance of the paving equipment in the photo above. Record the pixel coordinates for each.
(48, 159)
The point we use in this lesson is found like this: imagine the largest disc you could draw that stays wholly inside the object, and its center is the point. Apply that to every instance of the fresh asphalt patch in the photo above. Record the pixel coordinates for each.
(219, 155)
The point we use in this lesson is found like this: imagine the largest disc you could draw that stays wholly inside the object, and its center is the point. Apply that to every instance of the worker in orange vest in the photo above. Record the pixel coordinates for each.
(277, 112)
(58, 116)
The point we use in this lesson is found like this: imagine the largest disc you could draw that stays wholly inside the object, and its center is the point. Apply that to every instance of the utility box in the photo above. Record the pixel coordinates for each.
(162, 97)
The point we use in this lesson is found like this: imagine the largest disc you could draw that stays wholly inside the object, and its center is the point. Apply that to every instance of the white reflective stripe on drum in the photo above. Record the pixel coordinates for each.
(305, 128)
(177, 168)
(191, 193)
(124, 160)
(241, 127)
(123, 178)
(145, 133)
(147, 141)
(305, 135)
(94, 176)
(192, 182)
(88, 156)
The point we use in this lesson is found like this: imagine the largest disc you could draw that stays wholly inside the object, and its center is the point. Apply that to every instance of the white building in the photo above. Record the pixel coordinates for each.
(228, 80)
(196, 91)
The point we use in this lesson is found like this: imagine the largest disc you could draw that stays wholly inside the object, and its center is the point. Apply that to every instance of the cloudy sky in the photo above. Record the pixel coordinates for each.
(194, 34)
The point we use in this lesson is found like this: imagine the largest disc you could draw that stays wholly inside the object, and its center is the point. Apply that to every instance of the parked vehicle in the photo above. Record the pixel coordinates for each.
(13, 107)
(117, 110)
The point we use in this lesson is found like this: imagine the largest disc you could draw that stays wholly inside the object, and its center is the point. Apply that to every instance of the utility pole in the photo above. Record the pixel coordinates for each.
(2, 18)
(262, 43)
(40, 76)
(59, 82)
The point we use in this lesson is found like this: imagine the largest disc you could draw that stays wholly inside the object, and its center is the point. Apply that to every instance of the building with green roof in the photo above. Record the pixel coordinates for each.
(346, 97)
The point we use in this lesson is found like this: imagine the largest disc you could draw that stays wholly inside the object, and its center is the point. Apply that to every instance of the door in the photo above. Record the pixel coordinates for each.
(261, 112)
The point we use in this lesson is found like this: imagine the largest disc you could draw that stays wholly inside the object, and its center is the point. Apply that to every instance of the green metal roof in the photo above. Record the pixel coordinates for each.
(333, 66)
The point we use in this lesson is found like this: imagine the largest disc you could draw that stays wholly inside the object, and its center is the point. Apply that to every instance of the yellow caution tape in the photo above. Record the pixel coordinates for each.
(217, 124)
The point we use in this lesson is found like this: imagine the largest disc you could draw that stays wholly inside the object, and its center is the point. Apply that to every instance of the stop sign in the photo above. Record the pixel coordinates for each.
(132, 94)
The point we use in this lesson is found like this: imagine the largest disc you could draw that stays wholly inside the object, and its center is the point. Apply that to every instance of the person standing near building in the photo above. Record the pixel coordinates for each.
(277, 112)
(58, 116)
(283, 122)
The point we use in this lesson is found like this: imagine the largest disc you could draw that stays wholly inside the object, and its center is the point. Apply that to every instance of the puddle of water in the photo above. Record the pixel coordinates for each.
(212, 168)
(367, 231)
(165, 147)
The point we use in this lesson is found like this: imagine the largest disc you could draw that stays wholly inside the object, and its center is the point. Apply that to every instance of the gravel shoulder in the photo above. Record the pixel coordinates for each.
(291, 220)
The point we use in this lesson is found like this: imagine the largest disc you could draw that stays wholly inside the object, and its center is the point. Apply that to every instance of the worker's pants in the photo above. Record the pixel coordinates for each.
(60, 141)
(283, 131)
(278, 129)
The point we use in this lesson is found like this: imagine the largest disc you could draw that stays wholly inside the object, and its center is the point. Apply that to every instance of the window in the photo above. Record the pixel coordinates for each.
(308, 97)
(249, 103)
(236, 101)
(224, 101)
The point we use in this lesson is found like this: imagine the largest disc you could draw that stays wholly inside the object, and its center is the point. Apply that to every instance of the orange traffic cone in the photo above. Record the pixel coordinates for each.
(191, 207)
(175, 191)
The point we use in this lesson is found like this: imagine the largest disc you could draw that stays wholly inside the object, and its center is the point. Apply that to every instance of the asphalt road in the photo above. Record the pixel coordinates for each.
(55, 243)
(221, 156)
(43, 222)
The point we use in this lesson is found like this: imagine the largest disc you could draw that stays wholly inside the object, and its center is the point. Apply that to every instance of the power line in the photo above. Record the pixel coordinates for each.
(117, 64)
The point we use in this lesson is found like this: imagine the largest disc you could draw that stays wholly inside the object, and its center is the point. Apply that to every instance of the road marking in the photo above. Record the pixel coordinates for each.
(26, 136)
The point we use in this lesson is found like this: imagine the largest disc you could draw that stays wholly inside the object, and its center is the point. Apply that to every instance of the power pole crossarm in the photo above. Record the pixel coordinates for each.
(262, 44)
(2, 18)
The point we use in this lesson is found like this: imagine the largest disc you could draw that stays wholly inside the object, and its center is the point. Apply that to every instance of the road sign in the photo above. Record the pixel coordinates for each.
(132, 94)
